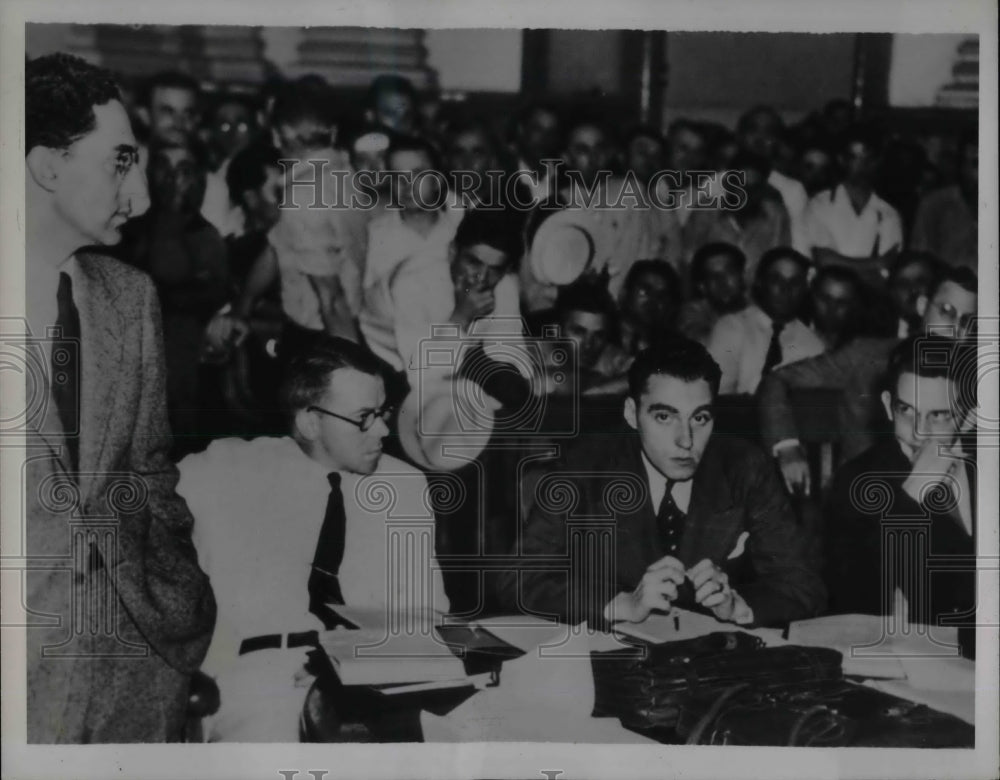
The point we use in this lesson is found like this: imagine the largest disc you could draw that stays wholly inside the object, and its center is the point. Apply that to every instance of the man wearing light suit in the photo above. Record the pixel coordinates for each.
(128, 613)
(689, 519)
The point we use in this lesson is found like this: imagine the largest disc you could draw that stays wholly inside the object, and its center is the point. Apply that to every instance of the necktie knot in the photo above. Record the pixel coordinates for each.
(334, 479)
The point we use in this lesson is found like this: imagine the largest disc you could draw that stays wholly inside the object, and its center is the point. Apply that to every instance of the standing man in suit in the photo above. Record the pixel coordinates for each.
(696, 521)
(97, 454)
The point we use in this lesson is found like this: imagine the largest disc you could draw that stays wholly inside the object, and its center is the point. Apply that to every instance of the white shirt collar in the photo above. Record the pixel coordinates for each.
(681, 491)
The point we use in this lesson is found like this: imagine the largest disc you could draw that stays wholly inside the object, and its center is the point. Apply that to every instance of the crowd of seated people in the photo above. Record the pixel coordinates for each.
(661, 345)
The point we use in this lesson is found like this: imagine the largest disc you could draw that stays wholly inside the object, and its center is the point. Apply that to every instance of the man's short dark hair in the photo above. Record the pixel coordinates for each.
(390, 82)
(302, 101)
(496, 228)
(585, 295)
(866, 134)
(645, 131)
(413, 143)
(744, 122)
(706, 251)
(307, 373)
(837, 273)
(172, 79)
(678, 357)
(936, 357)
(661, 268)
(778, 253)
(248, 168)
(60, 92)
(961, 275)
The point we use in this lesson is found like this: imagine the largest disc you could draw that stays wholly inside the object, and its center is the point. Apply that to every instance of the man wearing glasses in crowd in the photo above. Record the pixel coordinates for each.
(284, 529)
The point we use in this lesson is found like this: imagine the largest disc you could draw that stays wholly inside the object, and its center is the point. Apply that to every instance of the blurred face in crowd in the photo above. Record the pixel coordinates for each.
(176, 180)
(674, 421)
(836, 305)
(415, 192)
(645, 156)
(815, 170)
(261, 205)
(471, 150)
(233, 127)
(723, 285)
(760, 135)
(335, 443)
(686, 151)
(396, 111)
(907, 287)
(950, 311)
(477, 268)
(859, 162)
(782, 290)
(590, 331)
(587, 151)
(921, 408)
(539, 136)
(173, 115)
(649, 299)
(95, 184)
(368, 152)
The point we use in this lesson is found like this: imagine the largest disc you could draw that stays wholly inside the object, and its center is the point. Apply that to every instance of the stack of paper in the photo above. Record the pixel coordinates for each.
(370, 657)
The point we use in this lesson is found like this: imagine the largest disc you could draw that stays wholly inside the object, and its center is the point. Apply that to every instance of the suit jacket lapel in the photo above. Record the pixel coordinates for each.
(714, 522)
(102, 345)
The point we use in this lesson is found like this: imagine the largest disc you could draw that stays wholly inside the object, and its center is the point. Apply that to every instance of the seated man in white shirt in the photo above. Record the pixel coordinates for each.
(471, 289)
(286, 526)
(750, 343)
(849, 224)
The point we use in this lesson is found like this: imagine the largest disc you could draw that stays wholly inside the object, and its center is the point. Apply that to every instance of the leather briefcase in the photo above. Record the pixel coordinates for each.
(647, 689)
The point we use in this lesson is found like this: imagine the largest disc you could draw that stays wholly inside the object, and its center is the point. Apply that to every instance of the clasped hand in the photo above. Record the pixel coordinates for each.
(659, 587)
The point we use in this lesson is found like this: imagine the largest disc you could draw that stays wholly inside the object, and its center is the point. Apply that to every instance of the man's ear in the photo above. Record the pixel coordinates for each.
(887, 403)
(306, 425)
(630, 413)
(922, 302)
(42, 163)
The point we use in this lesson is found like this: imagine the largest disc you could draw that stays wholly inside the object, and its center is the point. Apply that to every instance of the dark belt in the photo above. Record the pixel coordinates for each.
(277, 641)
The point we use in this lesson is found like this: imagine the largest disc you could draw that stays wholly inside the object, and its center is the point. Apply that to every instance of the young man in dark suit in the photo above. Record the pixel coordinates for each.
(902, 514)
(664, 513)
(110, 564)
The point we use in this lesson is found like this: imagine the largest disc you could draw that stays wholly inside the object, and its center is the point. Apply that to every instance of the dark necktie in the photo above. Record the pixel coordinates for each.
(773, 356)
(670, 522)
(324, 582)
(66, 368)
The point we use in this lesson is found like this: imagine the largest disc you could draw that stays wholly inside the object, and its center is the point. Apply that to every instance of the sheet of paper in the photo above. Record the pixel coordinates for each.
(380, 618)
(877, 646)
(682, 624)
(523, 631)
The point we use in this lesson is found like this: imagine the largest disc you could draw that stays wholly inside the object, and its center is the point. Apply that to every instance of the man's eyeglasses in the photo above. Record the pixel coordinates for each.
(367, 419)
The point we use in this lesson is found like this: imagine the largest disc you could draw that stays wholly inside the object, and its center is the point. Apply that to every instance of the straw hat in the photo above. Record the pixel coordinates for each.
(567, 243)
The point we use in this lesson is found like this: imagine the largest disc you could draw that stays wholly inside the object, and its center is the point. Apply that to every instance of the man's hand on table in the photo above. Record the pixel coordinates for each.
(658, 590)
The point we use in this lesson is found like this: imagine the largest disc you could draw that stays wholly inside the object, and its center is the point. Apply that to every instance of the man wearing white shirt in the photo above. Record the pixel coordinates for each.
(750, 343)
(758, 130)
(849, 224)
(288, 525)
(672, 515)
(472, 286)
